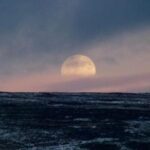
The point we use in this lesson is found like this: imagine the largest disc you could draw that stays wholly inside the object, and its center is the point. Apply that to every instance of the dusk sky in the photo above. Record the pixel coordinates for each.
(37, 36)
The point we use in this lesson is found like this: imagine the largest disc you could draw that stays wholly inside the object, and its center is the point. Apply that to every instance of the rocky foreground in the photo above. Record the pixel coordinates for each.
(79, 121)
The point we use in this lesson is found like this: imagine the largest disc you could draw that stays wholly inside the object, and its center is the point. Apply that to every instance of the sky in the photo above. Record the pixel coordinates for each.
(37, 36)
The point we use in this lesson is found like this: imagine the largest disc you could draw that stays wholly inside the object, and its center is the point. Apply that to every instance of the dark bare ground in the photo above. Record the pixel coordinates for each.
(88, 121)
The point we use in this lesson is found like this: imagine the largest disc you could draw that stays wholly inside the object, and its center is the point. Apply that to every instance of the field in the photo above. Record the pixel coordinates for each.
(74, 121)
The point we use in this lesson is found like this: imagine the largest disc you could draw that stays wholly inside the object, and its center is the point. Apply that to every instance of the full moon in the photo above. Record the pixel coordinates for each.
(78, 65)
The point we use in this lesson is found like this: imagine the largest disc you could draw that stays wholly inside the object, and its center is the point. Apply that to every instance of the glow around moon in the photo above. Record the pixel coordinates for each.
(78, 65)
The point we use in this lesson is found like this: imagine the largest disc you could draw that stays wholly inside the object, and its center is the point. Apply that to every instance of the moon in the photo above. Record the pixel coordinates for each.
(78, 65)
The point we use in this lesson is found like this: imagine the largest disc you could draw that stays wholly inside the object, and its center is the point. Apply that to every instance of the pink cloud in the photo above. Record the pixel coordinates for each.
(55, 83)
(98, 84)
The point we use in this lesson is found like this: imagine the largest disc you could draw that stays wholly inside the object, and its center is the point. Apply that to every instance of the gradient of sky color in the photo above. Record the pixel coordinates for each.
(36, 36)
